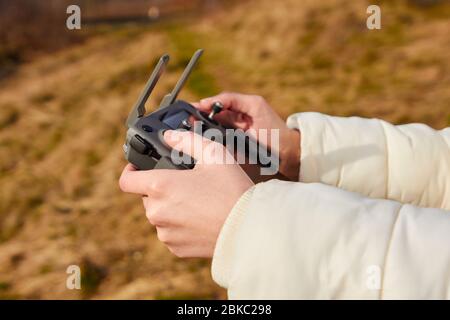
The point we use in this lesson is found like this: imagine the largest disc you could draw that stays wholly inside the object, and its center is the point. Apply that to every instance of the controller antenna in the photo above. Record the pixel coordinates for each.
(171, 97)
(139, 108)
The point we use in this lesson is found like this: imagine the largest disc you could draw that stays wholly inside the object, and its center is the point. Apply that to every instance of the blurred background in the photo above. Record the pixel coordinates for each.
(65, 95)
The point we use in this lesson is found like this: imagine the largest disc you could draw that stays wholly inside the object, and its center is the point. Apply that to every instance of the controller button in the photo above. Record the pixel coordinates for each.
(147, 128)
(141, 145)
(186, 125)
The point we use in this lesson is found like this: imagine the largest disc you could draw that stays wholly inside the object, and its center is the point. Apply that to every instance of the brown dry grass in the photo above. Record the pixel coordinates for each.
(60, 160)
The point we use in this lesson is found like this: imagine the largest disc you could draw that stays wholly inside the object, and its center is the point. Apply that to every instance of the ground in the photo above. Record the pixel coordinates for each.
(62, 126)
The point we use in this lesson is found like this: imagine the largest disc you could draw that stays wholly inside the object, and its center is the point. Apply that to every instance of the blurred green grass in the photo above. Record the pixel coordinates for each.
(185, 42)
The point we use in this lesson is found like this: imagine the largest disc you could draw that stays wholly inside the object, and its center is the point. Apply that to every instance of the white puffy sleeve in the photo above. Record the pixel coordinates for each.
(407, 163)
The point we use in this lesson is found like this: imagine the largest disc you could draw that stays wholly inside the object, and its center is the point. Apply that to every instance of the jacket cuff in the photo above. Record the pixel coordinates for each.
(226, 241)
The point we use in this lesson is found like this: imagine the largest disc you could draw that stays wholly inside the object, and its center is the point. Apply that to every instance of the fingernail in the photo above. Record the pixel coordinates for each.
(168, 134)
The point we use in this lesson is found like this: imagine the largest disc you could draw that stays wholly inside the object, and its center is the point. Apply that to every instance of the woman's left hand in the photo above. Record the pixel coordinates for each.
(189, 207)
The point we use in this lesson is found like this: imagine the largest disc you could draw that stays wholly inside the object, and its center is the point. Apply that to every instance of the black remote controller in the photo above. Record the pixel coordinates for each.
(145, 147)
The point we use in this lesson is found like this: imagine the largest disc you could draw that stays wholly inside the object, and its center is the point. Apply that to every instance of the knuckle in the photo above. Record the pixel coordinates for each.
(156, 187)
(225, 96)
(153, 184)
(177, 251)
(149, 216)
(144, 202)
(259, 99)
(123, 184)
(163, 236)
(154, 217)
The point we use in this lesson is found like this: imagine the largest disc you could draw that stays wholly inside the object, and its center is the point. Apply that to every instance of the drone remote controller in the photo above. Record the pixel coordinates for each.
(145, 147)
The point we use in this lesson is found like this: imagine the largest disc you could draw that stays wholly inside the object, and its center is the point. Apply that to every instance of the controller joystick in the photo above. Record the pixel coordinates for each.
(217, 107)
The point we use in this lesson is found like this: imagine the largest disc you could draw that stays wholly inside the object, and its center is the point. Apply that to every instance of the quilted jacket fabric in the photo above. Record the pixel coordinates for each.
(368, 219)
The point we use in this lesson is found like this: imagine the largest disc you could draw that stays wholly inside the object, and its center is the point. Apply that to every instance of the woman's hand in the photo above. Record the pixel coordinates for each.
(189, 207)
(253, 112)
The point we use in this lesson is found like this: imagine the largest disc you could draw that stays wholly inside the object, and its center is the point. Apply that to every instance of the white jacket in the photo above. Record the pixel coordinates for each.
(333, 235)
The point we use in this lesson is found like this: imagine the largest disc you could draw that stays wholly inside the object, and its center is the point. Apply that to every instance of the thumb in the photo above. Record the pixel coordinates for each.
(200, 148)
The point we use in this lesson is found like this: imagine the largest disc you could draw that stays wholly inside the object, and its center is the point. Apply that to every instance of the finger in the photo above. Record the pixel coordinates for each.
(227, 117)
(141, 182)
(233, 101)
(201, 106)
(205, 107)
(227, 99)
(165, 235)
(155, 215)
(130, 167)
(233, 119)
(191, 144)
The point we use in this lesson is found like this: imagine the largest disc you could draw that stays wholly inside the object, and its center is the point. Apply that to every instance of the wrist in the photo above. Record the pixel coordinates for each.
(290, 154)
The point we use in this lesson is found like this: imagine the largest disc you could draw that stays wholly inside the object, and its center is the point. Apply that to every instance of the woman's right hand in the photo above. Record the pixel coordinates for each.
(245, 112)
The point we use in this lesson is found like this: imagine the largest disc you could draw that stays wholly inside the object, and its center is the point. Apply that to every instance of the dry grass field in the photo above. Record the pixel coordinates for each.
(62, 126)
